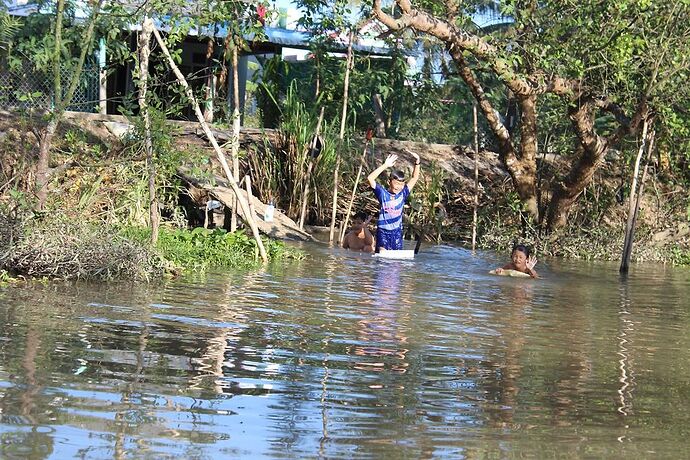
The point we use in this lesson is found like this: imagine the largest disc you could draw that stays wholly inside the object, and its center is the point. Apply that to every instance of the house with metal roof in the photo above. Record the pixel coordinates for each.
(108, 85)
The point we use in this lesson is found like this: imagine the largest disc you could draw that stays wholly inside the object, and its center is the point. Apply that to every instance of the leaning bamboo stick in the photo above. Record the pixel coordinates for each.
(354, 188)
(630, 225)
(346, 88)
(475, 205)
(248, 217)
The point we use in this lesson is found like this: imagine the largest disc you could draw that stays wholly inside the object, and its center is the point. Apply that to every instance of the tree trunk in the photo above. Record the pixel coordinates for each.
(60, 102)
(522, 167)
(525, 169)
(591, 152)
(379, 115)
(43, 163)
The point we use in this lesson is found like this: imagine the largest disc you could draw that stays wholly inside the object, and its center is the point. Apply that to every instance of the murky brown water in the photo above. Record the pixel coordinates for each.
(345, 356)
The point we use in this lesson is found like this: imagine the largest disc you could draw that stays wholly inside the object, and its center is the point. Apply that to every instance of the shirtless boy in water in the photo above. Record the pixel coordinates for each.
(359, 238)
(521, 261)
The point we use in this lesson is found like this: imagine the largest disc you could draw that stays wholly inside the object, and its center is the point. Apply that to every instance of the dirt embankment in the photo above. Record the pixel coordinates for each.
(663, 219)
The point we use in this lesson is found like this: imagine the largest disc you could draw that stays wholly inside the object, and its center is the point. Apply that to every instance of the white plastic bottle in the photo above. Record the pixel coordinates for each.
(268, 214)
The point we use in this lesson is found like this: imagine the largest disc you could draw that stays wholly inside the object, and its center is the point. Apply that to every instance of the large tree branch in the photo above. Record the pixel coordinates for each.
(591, 151)
(564, 87)
(582, 119)
(457, 39)
(506, 148)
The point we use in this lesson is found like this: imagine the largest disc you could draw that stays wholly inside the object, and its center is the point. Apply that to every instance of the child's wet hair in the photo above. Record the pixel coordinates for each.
(397, 175)
(361, 215)
(522, 248)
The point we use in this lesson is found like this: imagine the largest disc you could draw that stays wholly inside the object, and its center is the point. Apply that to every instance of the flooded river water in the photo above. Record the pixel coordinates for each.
(345, 356)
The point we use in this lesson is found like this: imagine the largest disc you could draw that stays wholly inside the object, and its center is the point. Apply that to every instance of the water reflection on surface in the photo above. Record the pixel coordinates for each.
(343, 356)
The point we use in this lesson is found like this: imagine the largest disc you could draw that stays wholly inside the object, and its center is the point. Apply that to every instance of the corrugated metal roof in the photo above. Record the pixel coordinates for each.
(274, 35)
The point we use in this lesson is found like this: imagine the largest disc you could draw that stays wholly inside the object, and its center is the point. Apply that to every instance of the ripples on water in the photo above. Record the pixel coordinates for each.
(343, 356)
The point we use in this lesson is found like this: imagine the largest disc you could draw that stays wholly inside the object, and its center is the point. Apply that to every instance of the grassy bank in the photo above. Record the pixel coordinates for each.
(59, 248)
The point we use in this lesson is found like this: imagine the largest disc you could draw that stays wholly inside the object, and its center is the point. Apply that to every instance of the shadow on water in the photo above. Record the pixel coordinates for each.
(345, 355)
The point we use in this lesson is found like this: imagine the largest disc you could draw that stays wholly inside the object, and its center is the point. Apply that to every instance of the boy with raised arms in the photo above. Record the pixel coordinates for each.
(389, 232)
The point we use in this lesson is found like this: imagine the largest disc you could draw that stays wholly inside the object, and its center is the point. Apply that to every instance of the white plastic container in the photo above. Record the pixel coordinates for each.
(268, 214)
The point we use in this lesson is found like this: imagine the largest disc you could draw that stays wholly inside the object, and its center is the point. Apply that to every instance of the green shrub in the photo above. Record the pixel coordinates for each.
(200, 248)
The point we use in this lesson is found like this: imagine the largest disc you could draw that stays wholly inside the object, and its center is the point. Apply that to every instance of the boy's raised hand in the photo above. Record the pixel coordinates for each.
(531, 262)
(416, 156)
(390, 160)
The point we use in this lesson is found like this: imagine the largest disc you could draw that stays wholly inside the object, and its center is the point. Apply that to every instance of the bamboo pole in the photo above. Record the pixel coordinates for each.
(144, 45)
(248, 217)
(336, 177)
(476, 177)
(235, 145)
(354, 188)
(630, 225)
(640, 190)
(305, 193)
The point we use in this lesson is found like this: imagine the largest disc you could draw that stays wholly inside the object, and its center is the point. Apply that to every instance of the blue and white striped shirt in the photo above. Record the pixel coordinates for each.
(390, 215)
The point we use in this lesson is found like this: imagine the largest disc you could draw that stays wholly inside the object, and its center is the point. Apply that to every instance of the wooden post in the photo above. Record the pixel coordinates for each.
(336, 172)
(630, 225)
(249, 218)
(235, 146)
(476, 177)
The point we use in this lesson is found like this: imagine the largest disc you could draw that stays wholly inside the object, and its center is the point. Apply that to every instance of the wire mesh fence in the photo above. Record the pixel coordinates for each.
(26, 88)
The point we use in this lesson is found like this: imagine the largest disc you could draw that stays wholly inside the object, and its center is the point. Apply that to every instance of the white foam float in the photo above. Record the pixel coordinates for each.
(396, 254)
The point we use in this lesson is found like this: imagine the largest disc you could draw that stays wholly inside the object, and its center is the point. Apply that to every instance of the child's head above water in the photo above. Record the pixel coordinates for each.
(359, 218)
(519, 256)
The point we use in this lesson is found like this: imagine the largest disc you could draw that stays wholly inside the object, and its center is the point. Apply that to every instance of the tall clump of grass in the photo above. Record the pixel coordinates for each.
(428, 212)
(321, 180)
(280, 175)
(200, 248)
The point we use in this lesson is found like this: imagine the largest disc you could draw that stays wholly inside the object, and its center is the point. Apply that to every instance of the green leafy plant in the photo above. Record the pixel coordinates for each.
(200, 248)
